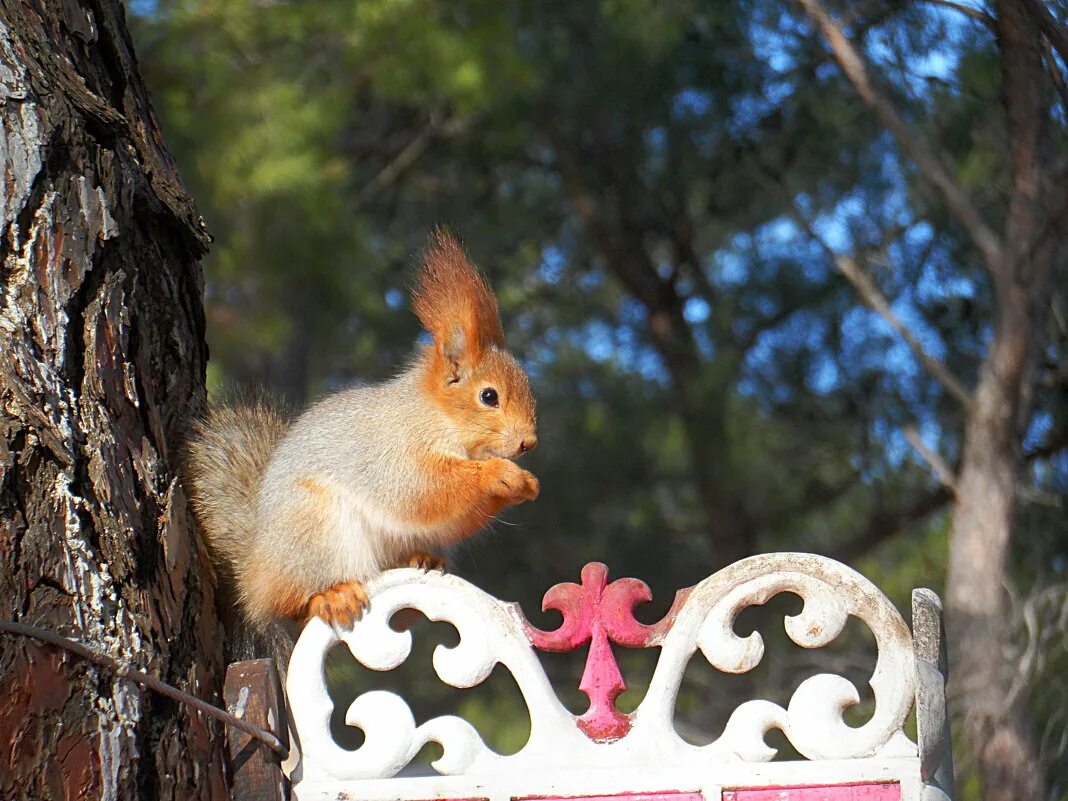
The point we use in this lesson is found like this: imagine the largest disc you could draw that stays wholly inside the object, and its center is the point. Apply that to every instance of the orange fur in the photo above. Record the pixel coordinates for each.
(315, 489)
(340, 605)
(495, 368)
(272, 593)
(458, 309)
(454, 302)
(467, 494)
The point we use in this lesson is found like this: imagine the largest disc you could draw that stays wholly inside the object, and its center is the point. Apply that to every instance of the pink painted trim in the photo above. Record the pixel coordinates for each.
(666, 795)
(869, 791)
(594, 601)
(602, 682)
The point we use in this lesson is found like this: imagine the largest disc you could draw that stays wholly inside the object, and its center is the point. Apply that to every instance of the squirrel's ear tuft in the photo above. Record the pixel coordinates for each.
(454, 302)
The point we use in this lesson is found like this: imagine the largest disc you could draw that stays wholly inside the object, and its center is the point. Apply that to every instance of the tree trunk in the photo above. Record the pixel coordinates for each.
(985, 670)
(981, 632)
(101, 330)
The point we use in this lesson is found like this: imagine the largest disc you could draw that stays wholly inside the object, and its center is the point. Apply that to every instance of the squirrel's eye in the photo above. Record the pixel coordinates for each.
(488, 396)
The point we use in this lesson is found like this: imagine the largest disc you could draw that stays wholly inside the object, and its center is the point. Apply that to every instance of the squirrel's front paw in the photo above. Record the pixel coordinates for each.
(340, 605)
(513, 482)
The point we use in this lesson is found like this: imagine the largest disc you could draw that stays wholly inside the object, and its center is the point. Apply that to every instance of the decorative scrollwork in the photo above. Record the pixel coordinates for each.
(601, 613)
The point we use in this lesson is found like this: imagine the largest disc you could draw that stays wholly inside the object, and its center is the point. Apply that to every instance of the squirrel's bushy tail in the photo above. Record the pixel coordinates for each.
(226, 458)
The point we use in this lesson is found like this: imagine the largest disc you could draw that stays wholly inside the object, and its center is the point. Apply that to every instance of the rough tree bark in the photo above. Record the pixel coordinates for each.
(103, 356)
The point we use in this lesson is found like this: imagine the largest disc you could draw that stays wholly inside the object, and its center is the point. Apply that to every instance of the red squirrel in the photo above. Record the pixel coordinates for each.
(301, 514)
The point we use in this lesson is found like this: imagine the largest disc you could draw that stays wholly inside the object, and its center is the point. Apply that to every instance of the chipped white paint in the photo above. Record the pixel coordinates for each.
(238, 709)
(559, 758)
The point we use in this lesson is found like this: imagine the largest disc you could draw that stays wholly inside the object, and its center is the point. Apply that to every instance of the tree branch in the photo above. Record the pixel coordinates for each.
(407, 156)
(973, 13)
(124, 670)
(869, 293)
(883, 525)
(932, 167)
(1050, 26)
(1050, 448)
(1055, 75)
(1033, 195)
(934, 459)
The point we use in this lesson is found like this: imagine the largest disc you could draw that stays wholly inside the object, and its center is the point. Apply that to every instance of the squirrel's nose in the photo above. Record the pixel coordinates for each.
(528, 444)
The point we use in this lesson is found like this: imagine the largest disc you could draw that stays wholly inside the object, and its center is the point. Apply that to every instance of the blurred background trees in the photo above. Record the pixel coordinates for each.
(757, 317)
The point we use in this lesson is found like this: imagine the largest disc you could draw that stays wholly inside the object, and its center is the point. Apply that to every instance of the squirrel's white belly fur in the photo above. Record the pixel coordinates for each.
(368, 467)
(368, 539)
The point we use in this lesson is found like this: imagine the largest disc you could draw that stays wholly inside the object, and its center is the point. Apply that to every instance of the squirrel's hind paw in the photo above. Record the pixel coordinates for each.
(421, 560)
(340, 605)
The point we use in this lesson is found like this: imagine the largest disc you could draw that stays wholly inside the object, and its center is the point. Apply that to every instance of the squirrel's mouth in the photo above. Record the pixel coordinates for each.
(498, 453)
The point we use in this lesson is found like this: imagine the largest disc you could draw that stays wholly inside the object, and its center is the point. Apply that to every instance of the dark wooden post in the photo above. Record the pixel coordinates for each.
(254, 693)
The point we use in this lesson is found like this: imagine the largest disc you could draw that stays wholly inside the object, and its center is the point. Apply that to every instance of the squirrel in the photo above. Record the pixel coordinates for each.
(301, 514)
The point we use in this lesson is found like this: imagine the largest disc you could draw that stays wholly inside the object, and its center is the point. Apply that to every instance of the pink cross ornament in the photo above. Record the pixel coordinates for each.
(599, 613)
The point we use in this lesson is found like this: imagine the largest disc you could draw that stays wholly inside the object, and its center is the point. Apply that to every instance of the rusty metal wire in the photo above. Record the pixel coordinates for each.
(125, 671)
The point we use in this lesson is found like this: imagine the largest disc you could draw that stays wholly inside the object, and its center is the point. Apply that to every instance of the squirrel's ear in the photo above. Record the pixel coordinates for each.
(454, 349)
(455, 304)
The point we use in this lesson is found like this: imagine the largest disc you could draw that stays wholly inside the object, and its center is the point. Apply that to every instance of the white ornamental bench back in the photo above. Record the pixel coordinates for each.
(606, 753)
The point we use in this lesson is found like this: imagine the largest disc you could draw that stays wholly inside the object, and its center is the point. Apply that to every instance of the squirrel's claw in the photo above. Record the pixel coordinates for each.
(341, 605)
(422, 560)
